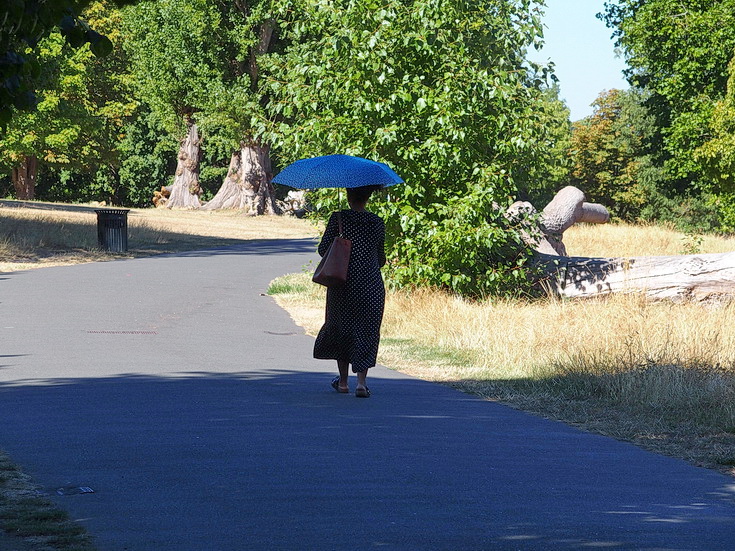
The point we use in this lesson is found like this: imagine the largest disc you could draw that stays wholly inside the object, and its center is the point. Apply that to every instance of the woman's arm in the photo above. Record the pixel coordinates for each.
(329, 234)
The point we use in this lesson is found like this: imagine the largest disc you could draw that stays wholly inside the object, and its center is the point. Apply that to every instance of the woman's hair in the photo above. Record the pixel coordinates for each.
(361, 194)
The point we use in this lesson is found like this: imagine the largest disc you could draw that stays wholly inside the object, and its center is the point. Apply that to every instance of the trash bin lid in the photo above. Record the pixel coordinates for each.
(112, 211)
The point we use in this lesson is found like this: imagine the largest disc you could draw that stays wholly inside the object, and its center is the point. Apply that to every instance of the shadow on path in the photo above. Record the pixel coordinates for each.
(277, 456)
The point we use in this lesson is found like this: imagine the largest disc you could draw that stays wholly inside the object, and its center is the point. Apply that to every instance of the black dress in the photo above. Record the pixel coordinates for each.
(351, 331)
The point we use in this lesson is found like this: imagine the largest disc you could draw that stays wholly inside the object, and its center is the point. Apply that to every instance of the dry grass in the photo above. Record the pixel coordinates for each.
(659, 374)
(625, 240)
(36, 235)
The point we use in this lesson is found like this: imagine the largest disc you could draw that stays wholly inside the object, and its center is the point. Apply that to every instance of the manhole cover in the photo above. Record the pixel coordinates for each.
(100, 332)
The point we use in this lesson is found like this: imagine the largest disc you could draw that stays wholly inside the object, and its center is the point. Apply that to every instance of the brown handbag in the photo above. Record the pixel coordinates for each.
(332, 270)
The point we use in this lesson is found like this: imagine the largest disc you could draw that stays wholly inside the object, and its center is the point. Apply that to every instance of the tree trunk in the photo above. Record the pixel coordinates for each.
(247, 185)
(568, 207)
(185, 191)
(24, 178)
(689, 277)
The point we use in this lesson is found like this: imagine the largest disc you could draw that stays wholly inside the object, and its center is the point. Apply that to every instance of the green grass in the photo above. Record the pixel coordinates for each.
(33, 519)
(290, 284)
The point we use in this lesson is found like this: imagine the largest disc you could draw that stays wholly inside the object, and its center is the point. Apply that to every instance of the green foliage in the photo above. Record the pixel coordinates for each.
(692, 213)
(175, 52)
(61, 130)
(148, 158)
(723, 204)
(23, 24)
(84, 102)
(678, 52)
(608, 152)
(442, 93)
(692, 243)
(545, 166)
(717, 154)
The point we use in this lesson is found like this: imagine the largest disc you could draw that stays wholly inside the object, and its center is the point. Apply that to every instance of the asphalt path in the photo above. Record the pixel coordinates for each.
(189, 403)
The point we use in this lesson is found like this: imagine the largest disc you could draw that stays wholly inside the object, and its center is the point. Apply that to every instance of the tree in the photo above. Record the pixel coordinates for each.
(717, 154)
(23, 24)
(440, 91)
(59, 130)
(83, 103)
(608, 152)
(546, 167)
(147, 158)
(172, 68)
(197, 62)
(678, 52)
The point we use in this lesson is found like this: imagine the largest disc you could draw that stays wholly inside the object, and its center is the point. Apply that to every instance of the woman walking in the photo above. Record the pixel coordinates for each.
(351, 331)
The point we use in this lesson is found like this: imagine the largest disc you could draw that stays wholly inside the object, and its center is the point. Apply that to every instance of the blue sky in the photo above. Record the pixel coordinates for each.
(584, 54)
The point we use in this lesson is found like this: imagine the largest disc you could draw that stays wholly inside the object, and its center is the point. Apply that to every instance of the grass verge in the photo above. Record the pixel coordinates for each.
(31, 521)
(35, 235)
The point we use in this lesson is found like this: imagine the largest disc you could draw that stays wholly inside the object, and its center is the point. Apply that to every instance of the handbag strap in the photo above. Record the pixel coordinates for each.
(339, 223)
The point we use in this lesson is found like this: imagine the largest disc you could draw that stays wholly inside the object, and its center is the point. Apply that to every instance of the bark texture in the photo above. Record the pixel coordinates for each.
(701, 277)
(24, 178)
(568, 207)
(184, 192)
(247, 185)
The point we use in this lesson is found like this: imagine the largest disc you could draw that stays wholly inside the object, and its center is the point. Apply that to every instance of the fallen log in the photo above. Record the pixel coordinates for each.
(699, 277)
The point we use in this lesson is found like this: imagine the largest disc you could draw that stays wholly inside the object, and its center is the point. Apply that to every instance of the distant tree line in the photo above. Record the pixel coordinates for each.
(664, 150)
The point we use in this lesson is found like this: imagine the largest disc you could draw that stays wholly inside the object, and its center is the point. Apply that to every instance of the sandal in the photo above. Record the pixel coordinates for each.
(335, 386)
(362, 392)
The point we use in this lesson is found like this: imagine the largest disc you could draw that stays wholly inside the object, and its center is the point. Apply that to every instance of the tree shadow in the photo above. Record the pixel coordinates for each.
(41, 206)
(42, 239)
(583, 273)
(276, 458)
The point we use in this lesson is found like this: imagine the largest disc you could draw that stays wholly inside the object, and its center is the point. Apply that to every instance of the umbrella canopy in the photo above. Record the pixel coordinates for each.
(337, 171)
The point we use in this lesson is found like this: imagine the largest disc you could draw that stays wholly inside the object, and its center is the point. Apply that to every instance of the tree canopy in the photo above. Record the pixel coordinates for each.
(442, 92)
(678, 52)
(23, 24)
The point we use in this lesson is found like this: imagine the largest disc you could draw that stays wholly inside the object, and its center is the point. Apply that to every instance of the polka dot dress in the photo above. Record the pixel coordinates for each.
(351, 331)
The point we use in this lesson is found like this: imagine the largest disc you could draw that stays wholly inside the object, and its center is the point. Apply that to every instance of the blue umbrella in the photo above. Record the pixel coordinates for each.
(336, 171)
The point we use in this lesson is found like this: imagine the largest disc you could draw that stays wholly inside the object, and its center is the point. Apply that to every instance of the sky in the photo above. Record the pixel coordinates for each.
(580, 46)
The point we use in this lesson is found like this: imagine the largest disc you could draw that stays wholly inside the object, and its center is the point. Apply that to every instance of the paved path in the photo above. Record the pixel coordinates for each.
(191, 405)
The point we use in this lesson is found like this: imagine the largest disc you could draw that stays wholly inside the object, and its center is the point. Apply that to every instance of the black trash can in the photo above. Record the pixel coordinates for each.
(112, 229)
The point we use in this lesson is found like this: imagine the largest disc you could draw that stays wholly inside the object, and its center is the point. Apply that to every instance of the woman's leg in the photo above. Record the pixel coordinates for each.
(362, 389)
(343, 367)
(361, 377)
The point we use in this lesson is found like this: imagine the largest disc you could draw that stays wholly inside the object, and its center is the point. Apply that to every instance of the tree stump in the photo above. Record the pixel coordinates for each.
(247, 185)
(184, 192)
(568, 207)
(160, 197)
